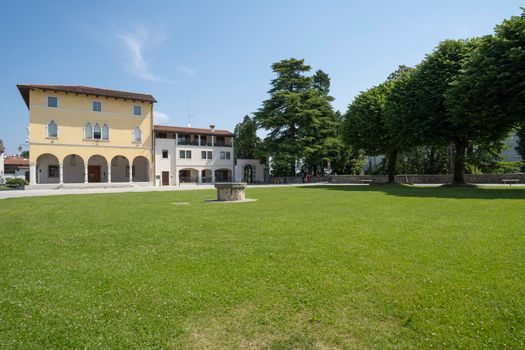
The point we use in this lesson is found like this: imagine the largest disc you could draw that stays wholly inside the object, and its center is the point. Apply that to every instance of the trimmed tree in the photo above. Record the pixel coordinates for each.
(487, 99)
(417, 114)
(365, 126)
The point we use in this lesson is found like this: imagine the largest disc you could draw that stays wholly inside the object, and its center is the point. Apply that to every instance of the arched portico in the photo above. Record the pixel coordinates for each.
(97, 169)
(47, 169)
(73, 169)
(188, 175)
(223, 175)
(119, 169)
(207, 176)
(140, 169)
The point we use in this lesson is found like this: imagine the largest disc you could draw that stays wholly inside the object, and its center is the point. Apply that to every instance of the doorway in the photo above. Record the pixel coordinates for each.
(165, 178)
(94, 173)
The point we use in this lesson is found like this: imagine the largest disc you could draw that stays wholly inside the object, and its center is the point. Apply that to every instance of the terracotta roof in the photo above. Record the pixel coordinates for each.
(78, 89)
(16, 161)
(185, 130)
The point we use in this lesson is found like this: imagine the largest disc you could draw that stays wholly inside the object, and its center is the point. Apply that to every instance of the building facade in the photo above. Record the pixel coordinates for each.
(80, 134)
(1, 162)
(193, 155)
(16, 168)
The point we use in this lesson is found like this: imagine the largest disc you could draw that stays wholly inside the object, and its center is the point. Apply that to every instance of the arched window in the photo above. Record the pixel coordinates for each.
(88, 131)
(136, 134)
(96, 132)
(105, 132)
(52, 129)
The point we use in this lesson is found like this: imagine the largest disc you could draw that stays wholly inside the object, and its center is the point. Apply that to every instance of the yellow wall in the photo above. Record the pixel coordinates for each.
(72, 114)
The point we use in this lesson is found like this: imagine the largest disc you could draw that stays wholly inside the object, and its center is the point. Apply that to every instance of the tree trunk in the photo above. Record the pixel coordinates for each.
(460, 147)
(392, 160)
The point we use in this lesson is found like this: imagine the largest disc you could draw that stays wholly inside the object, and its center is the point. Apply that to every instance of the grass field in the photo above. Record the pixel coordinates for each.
(379, 267)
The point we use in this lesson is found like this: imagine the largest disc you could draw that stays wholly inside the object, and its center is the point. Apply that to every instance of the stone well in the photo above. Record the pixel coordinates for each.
(230, 191)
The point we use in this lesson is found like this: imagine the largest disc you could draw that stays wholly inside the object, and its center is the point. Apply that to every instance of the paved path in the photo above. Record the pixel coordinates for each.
(65, 191)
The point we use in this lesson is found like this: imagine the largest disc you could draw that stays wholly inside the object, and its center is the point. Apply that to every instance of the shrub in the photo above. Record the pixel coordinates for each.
(16, 182)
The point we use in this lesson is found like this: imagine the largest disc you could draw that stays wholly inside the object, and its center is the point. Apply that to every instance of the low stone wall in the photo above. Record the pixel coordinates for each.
(426, 179)
(297, 179)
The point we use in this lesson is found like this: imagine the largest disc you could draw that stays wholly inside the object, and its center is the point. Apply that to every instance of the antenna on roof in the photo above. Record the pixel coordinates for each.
(189, 113)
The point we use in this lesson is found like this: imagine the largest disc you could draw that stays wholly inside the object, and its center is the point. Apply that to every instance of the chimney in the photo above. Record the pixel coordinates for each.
(212, 127)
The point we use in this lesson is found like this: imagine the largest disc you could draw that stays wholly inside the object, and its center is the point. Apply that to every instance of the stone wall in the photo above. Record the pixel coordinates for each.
(426, 179)
(297, 179)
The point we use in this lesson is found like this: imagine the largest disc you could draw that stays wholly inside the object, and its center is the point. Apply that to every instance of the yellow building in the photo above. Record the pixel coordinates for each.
(80, 134)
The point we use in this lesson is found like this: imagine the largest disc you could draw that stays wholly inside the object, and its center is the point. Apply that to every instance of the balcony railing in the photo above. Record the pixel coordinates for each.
(223, 144)
(184, 142)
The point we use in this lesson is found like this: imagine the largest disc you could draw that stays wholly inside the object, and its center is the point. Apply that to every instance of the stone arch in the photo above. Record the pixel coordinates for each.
(140, 169)
(188, 175)
(207, 176)
(73, 169)
(119, 169)
(47, 169)
(248, 173)
(97, 169)
(223, 175)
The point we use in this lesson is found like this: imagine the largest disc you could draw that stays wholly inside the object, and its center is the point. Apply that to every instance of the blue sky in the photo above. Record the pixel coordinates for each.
(217, 54)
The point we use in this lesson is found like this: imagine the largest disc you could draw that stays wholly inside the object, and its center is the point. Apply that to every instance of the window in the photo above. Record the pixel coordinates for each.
(96, 132)
(97, 106)
(52, 101)
(165, 153)
(137, 135)
(52, 129)
(162, 135)
(206, 155)
(210, 155)
(105, 132)
(88, 131)
(137, 110)
(223, 155)
(203, 154)
(185, 154)
(228, 155)
(52, 171)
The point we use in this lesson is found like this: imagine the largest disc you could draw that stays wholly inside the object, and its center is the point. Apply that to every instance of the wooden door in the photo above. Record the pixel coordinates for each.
(94, 173)
(165, 178)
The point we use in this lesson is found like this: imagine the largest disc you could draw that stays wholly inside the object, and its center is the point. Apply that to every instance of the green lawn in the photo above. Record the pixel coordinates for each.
(379, 267)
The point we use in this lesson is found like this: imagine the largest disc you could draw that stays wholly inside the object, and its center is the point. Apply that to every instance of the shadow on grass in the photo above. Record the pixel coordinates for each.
(460, 192)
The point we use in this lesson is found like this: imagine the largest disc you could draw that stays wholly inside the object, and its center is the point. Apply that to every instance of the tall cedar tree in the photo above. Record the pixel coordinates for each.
(246, 140)
(298, 116)
(319, 132)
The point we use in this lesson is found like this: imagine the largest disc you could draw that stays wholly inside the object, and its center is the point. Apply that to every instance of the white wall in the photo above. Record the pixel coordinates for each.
(2, 167)
(258, 167)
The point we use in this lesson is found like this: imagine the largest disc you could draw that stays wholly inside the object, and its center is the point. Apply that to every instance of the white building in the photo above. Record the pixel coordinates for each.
(1, 162)
(192, 155)
(250, 171)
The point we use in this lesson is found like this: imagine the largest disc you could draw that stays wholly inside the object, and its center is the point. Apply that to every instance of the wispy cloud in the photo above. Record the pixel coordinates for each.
(160, 117)
(188, 71)
(137, 41)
